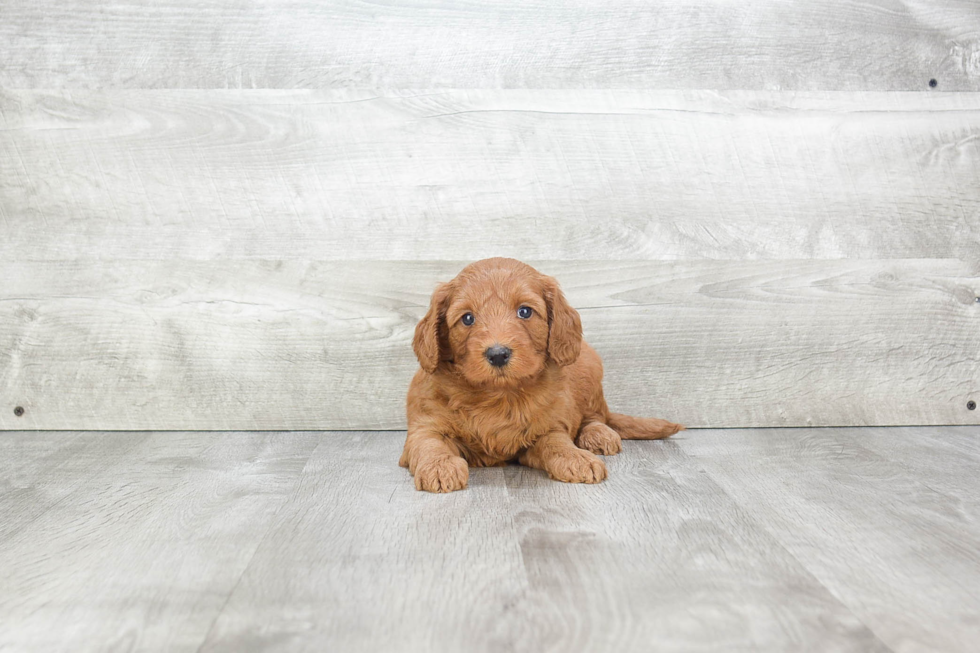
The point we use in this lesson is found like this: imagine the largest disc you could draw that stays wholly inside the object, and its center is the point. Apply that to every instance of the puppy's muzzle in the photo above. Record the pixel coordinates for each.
(498, 355)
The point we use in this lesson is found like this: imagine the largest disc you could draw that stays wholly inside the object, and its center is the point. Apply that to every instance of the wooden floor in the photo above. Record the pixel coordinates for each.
(861, 539)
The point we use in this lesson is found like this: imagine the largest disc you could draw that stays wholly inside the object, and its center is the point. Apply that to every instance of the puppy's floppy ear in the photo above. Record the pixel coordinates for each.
(564, 325)
(428, 332)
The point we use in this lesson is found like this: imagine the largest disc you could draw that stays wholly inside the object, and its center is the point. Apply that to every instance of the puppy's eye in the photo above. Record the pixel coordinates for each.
(524, 312)
(468, 319)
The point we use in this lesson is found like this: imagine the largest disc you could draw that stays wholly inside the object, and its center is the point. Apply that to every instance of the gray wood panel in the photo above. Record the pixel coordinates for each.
(888, 539)
(138, 555)
(359, 555)
(463, 175)
(736, 540)
(40, 470)
(951, 466)
(252, 344)
(833, 45)
(656, 557)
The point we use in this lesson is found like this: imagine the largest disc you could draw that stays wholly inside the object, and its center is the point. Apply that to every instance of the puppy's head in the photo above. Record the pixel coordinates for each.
(499, 322)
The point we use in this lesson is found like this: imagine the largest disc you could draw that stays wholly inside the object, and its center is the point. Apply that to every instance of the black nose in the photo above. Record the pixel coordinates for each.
(498, 355)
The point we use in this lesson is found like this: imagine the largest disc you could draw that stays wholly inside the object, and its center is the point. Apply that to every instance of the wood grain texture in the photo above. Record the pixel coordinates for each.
(461, 175)
(951, 465)
(887, 537)
(834, 45)
(138, 555)
(360, 556)
(656, 557)
(40, 470)
(294, 345)
(735, 540)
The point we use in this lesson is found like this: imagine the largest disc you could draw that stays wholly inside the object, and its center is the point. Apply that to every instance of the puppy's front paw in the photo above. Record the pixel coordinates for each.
(442, 474)
(577, 466)
(600, 439)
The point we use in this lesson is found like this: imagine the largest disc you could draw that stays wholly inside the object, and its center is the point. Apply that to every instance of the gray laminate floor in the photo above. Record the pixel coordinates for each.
(717, 540)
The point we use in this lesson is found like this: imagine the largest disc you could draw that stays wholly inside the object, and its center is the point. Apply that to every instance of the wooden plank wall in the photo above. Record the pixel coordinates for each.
(230, 216)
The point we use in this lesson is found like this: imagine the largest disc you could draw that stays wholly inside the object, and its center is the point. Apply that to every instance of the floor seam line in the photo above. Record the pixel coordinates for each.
(261, 541)
(756, 523)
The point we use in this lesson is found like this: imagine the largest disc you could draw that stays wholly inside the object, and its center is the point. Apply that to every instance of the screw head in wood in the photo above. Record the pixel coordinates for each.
(933, 83)
(18, 411)
(971, 405)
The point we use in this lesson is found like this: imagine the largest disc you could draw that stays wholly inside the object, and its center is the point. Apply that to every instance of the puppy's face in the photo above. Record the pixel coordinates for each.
(498, 324)
(497, 328)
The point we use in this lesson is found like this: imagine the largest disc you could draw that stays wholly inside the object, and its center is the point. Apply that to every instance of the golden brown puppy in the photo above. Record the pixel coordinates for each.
(505, 375)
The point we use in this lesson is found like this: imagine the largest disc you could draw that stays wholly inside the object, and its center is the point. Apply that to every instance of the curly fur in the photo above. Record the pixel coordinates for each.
(544, 408)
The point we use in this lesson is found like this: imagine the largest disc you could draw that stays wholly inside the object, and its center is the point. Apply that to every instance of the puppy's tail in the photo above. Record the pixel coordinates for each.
(642, 428)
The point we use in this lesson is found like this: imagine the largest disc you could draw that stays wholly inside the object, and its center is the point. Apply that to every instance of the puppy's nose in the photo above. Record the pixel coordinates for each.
(498, 355)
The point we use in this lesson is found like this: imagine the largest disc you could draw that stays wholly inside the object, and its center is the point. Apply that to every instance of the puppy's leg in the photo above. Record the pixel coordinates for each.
(434, 461)
(556, 454)
(599, 438)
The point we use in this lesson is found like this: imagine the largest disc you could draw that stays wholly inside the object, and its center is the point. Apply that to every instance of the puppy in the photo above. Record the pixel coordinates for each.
(506, 376)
